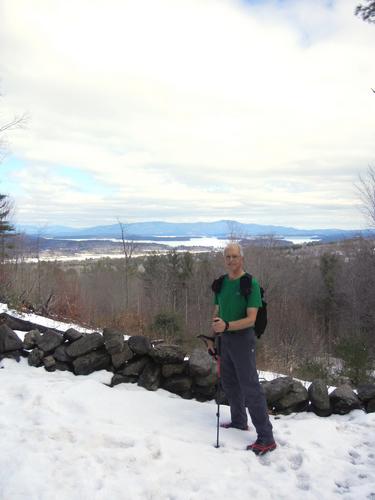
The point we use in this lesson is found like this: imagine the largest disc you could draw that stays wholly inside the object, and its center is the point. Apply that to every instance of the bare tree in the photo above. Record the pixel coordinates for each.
(18, 121)
(366, 190)
(128, 247)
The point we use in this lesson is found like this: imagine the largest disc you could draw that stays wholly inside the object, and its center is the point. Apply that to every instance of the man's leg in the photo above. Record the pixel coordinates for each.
(242, 350)
(232, 389)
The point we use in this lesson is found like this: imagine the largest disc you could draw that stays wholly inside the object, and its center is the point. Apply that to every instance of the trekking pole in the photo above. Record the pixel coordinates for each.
(216, 355)
(218, 352)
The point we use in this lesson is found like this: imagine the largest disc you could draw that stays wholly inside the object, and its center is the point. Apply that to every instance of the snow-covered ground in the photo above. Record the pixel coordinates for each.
(66, 437)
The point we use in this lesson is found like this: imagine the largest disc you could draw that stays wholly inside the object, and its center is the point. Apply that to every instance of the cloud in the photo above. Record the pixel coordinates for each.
(192, 109)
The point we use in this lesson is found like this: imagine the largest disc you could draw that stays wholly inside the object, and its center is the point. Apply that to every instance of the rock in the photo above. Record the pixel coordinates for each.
(344, 400)
(140, 344)
(61, 355)
(49, 341)
(16, 355)
(21, 324)
(113, 341)
(211, 379)
(36, 357)
(178, 384)
(168, 370)
(166, 353)
(150, 376)
(204, 393)
(84, 345)
(30, 339)
(370, 406)
(71, 335)
(276, 389)
(295, 400)
(119, 359)
(91, 362)
(135, 367)
(49, 363)
(318, 395)
(366, 392)
(9, 340)
(199, 363)
(63, 366)
(122, 379)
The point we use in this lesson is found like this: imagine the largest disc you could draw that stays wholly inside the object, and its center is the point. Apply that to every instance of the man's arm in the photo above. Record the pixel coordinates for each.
(218, 324)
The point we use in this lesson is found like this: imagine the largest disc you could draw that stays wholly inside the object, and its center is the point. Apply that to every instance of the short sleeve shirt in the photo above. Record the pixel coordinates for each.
(232, 304)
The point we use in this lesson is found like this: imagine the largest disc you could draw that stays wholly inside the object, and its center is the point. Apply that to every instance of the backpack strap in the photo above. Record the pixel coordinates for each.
(216, 285)
(246, 284)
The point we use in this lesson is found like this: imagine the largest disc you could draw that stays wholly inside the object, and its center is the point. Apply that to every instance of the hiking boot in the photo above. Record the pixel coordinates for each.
(229, 425)
(261, 447)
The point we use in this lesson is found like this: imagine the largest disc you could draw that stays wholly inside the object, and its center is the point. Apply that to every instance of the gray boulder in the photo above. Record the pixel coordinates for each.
(150, 376)
(370, 406)
(35, 357)
(113, 340)
(209, 380)
(276, 389)
(140, 344)
(120, 358)
(122, 379)
(199, 363)
(30, 338)
(64, 367)
(49, 340)
(366, 392)
(135, 367)
(60, 354)
(295, 400)
(167, 354)
(344, 400)
(91, 362)
(71, 335)
(168, 370)
(16, 355)
(318, 394)
(178, 384)
(9, 340)
(21, 324)
(204, 393)
(49, 363)
(84, 345)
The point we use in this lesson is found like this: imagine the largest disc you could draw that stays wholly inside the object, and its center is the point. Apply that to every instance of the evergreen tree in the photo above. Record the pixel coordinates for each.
(366, 11)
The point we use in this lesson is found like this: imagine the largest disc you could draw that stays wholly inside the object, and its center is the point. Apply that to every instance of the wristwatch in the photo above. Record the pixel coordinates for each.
(226, 326)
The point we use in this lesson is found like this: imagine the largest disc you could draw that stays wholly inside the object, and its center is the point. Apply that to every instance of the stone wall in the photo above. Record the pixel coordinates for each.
(165, 366)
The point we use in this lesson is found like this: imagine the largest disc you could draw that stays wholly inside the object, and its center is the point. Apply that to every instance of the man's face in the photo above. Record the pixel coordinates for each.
(233, 259)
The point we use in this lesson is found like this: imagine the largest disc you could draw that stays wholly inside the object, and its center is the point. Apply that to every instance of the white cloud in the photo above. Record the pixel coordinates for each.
(194, 108)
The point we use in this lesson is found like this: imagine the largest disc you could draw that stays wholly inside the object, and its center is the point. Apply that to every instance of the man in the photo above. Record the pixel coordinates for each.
(234, 318)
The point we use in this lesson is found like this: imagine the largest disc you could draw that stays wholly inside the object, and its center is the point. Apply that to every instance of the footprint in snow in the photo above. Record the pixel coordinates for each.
(296, 460)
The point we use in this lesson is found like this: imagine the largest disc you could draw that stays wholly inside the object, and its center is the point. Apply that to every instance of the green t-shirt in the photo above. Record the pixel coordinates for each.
(232, 304)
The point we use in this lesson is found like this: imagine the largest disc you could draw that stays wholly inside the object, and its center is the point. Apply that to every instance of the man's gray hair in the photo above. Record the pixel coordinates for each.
(236, 245)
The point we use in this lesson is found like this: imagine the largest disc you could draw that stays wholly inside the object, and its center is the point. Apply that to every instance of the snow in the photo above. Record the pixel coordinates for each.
(67, 437)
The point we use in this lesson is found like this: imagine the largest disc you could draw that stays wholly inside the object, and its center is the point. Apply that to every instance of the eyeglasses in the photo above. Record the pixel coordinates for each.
(234, 257)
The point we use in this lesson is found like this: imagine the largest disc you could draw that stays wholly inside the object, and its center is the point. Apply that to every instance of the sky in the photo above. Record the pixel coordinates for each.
(189, 110)
(72, 437)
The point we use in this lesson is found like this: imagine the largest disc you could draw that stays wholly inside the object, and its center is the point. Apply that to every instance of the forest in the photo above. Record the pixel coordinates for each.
(321, 300)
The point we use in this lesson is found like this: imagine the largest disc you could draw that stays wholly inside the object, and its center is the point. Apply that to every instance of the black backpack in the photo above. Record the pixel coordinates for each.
(245, 287)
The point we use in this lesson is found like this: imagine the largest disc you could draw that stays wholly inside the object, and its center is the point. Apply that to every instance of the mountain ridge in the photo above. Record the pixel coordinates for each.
(219, 229)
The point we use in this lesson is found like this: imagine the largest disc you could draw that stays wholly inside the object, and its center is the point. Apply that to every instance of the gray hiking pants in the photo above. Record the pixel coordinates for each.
(239, 378)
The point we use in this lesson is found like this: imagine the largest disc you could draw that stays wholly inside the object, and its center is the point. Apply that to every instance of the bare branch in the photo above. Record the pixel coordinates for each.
(366, 191)
(366, 12)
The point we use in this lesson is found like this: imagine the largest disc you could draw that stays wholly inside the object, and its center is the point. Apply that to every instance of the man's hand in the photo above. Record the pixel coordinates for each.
(211, 348)
(218, 325)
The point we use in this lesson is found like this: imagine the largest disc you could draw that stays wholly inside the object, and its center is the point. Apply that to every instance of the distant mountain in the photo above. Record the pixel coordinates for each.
(160, 229)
